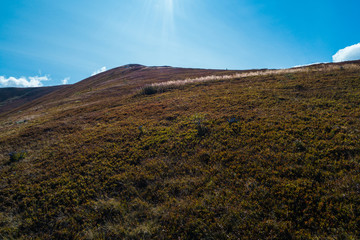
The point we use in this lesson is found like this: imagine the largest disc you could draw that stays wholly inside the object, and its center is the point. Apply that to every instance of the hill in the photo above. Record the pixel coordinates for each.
(169, 153)
(112, 83)
(11, 98)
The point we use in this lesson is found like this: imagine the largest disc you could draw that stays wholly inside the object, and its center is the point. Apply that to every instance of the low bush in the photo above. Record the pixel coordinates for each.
(149, 90)
(16, 156)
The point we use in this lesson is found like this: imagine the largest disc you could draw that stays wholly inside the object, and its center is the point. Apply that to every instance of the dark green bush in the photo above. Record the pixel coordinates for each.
(16, 156)
(149, 90)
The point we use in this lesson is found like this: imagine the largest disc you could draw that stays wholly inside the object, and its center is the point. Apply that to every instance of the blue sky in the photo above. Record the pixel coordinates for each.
(46, 42)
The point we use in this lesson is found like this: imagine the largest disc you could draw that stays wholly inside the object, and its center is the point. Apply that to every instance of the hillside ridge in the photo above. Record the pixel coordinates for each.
(16, 99)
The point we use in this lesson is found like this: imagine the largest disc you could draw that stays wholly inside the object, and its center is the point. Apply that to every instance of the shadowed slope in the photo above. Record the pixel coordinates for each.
(11, 98)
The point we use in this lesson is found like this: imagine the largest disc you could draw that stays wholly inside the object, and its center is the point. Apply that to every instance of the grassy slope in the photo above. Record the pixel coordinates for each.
(105, 162)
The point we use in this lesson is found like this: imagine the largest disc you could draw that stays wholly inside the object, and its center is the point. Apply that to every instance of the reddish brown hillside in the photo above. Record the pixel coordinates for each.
(272, 154)
(112, 83)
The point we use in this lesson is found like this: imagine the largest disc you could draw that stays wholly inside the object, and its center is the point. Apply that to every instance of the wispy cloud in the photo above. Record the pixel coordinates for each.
(103, 69)
(35, 81)
(348, 53)
(65, 80)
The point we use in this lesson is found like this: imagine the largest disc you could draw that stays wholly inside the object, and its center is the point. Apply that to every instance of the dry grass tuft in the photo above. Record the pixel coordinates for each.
(163, 86)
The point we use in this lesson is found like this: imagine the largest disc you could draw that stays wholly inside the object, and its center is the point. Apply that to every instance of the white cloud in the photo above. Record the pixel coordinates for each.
(65, 80)
(103, 69)
(348, 53)
(35, 81)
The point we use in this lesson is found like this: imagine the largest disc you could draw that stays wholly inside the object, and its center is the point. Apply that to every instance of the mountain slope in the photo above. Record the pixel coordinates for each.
(115, 82)
(11, 98)
(268, 155)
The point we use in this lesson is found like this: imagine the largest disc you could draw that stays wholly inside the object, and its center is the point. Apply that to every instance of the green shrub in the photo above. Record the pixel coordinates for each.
(202, 130)
(153, 89)
(299, 146)
(149, 90)
(17, 156)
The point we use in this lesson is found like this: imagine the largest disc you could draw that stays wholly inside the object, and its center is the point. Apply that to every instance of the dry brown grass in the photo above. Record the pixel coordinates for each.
(308, 69)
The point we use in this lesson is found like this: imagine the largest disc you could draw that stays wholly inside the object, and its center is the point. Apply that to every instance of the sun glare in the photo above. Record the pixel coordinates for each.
(168, 18)
(169, 6)
(160, 17)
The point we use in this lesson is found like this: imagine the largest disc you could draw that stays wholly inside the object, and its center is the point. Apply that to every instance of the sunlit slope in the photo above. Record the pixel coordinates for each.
(267, 156)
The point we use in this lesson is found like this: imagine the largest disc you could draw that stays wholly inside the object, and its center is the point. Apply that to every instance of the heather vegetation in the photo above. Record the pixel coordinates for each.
(262, 156)
(160, 87)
